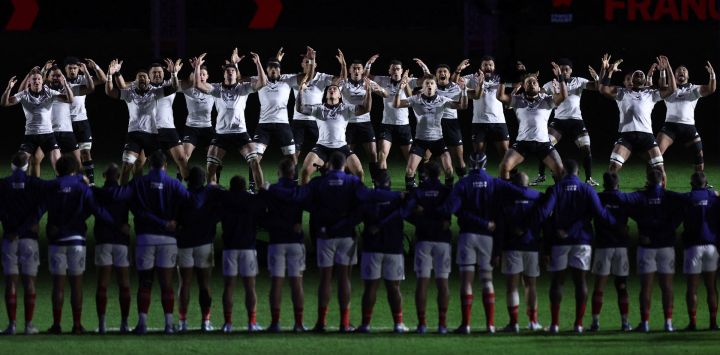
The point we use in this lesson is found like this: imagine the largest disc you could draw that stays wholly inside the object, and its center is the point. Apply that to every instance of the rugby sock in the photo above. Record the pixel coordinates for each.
(167, 298)
(532, 314)
(624, 304)
(692, 315)
(442, 317)
(252, 317)
(227, 313)
(367, 315)
(513, 312)
(489, 305)
(541, 168)
(143, 299)
(182, 313)
(397, 317)
(251, 179)
(467, 301)
(513, 304)
(77, 314)
(668, 312)
(645, 315)
(101, 300)
(124, 302)
(298, 316)
(345, 317)
(10, 303)
(322, 315)
(218, 170)
(555, 313)
(713, 316)
(409, 182)
(29, 306)
(142, 318)
(89, 170)
(205, 304)
(587, 165)
(579, 313)
(275, 315)
(421, 318)
(597, 303)
(168, 319)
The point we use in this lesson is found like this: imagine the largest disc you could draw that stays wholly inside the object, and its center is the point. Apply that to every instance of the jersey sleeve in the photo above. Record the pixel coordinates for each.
(215, 92)
(656, 95)
(583, 83)
(620, 93)
(125, 95)
(695, 92)
(20, 96)
(316, 111)
(548, 87)
(471, 81)
(514, 101)
(246, 88)
(349, 111)
(382, 81)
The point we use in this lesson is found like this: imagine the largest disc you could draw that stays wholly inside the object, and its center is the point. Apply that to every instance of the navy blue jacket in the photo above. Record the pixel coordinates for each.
(22, 204)
(432, 223)
(658, 214)
(517, 206)
(241, 212)
(284, 216)
(198, 217)
(107, 233)
(613, 236)
(700, 217)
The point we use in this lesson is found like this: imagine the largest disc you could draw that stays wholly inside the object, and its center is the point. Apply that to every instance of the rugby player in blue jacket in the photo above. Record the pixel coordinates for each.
(572, 204)
(69, 204)
(21, 207)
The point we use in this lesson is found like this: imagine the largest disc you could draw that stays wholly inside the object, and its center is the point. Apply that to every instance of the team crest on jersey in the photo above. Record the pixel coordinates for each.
(479, 184)
(654, 201)
(701, 203)
(18, 185)
(156, 185)
(571, 188)
(431, 193)
(336, 182)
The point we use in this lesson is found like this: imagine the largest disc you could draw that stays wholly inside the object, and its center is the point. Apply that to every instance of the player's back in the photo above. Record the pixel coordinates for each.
(612, 236)
(283, 214)
(199, 216)
(241, 211)
(516, 207)
(159, 195)
(69, 204)
(432, 224)
(105, 232)
(22, 203)
(657, 213)
(700, 217)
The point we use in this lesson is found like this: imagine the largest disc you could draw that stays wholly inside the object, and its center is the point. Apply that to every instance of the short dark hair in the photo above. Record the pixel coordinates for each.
(396, 62)
(273, 62)
(429, 77)
(66, 165)
(112, 172)
(55, 67)
(432, 169)
(654, 176)
(564, 61)
(443, 66)
(698, 180)
(611, 180)
(287, 168)
(20, 159)
(141, 71)
(237, 183)
(71, 61)
(196, 177)
(486, 58)
(357, 61)
(337, 161)
(158, 159)
(155, 64)
(571, 167)
(228, 65)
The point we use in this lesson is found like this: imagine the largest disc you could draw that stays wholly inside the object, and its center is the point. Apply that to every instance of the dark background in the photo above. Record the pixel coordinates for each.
(534, 31)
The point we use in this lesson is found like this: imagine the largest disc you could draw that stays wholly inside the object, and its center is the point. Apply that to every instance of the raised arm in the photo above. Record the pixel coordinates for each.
(310, 55)
(708, 89)
(562, 94)
(665, 67)
(478, 92)
(367, 100)
(8, 100)
(397, 102)
(605, 88)
(422, 66)
(299, 105)
(593, 85)
(101, 77)
(458, 70)
(650, 74)
(501, 95)
(68, 96)
(343, 65)
(203, 87)
(89, 86)
(110, 89)
(262, 78)
(463, 102)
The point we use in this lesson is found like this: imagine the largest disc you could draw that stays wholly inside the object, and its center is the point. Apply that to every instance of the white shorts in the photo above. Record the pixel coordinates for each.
(340, 251)
(202, 257)
(517, 261)
(577, 256)
(112, 255)
(474, 249)
(286, 256)
(432, 256)
(67, 260)
(700, 258)
(241, 262)
(20, 255)
(390, 266)
(661, 260)
(611, 261)
(155, 251)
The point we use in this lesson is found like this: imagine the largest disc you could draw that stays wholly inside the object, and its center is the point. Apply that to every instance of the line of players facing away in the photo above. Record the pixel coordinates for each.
(332, 112)
(499, 222)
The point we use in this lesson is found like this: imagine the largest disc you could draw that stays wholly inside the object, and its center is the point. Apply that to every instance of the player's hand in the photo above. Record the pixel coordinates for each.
(555, 86)
(200, 60)
(556, 69)
(235, 57)
(464, 64)
(12, 82)
(605, 61)
(404, 79)
(171, 226)
(91, 63)
(49, 64)
(340, 57)
(519, 66)
(255, 57)
(83, 69)
(178, 65)
(169, 65)
(593, 73)
(709, 68)
(480, 77)
(652, 69)
(562, 234)
(422, 65)
(310, 53)
(280, 54)
(491, 226)
(418, 210)
(461, 83)
(615, 67)
(372, 59)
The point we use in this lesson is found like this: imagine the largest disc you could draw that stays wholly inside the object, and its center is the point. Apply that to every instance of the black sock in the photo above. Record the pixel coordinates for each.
(251, 179)
(218, 170)
(89, 170)
(449, 180)
(409, 182)
(296, 178)
(461, 171)
(374, 169)
(587, 164)
(541, 169)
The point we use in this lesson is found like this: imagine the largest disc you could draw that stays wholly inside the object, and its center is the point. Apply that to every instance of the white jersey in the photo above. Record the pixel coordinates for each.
(142, 108)
(452, 92)
(312, 95)
(533, 117)
(38, 110)
(199, 106)
(392, 115)
(354, 93)
(230, 104)
(681, 104)
(332, 123)
(77, 109)
(164, 114)
(635, 109)
(569, 109)
(60, 114)
(486, 109)
(429, 113)
(274, 97)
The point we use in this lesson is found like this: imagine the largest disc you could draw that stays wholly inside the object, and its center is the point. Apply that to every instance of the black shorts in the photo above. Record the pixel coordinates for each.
(168, 138)
(83, 133)
(198, 136)
(280, 132)
(324, 152)
(359, 133)
(137, 142)
(495, 132)
(451, 132)
(538, 149)
(46, 142)
(230, 141)
(680, 132)
(66, 141)
(305, 133)
(400, 134)
(570, 128)
(642, 141)
(437, 147)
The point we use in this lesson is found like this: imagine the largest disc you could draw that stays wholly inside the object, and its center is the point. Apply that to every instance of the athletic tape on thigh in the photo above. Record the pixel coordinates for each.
(85, 145)
(260, 148)
(251, 157)
(553, 140)
(128, 157)
(617, 158)
(656, 161)
(288, 150)
(582, 141)
(214, 160)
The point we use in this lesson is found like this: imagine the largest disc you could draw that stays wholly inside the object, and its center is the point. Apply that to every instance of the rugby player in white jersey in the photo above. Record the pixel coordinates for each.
(230, 130)
(680, 116)
(395, 125)
(332, 117)
(450, 123)
(78, 113)
(61, 111)
(429, 108)
(37, 99)
(198, 131)
(533, 109)
(141, 99)
(568, 121)
(635, 105)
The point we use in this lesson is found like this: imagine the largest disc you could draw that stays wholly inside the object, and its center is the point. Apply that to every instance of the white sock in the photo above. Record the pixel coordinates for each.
(168, 318)
(142, 318)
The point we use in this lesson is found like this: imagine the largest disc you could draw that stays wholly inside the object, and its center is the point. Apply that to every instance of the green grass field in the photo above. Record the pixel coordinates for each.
(608, 340)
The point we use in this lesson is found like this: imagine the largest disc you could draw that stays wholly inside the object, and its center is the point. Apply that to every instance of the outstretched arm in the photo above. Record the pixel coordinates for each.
(89, 87)
(560, 96)
(501, 95)
(368, 65)
(422, 65)
(8, 100)
(262, 78)
(203, 87)
(666, 71)
(605, 88)
(593, 85)
(398, 102)
(708, 89)
(458, 70)
(343, 65)
(101, 77)
(110, 89)
(367, 100)
(463, 102)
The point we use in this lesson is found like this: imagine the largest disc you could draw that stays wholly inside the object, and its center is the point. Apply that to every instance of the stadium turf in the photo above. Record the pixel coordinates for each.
(608, 340)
